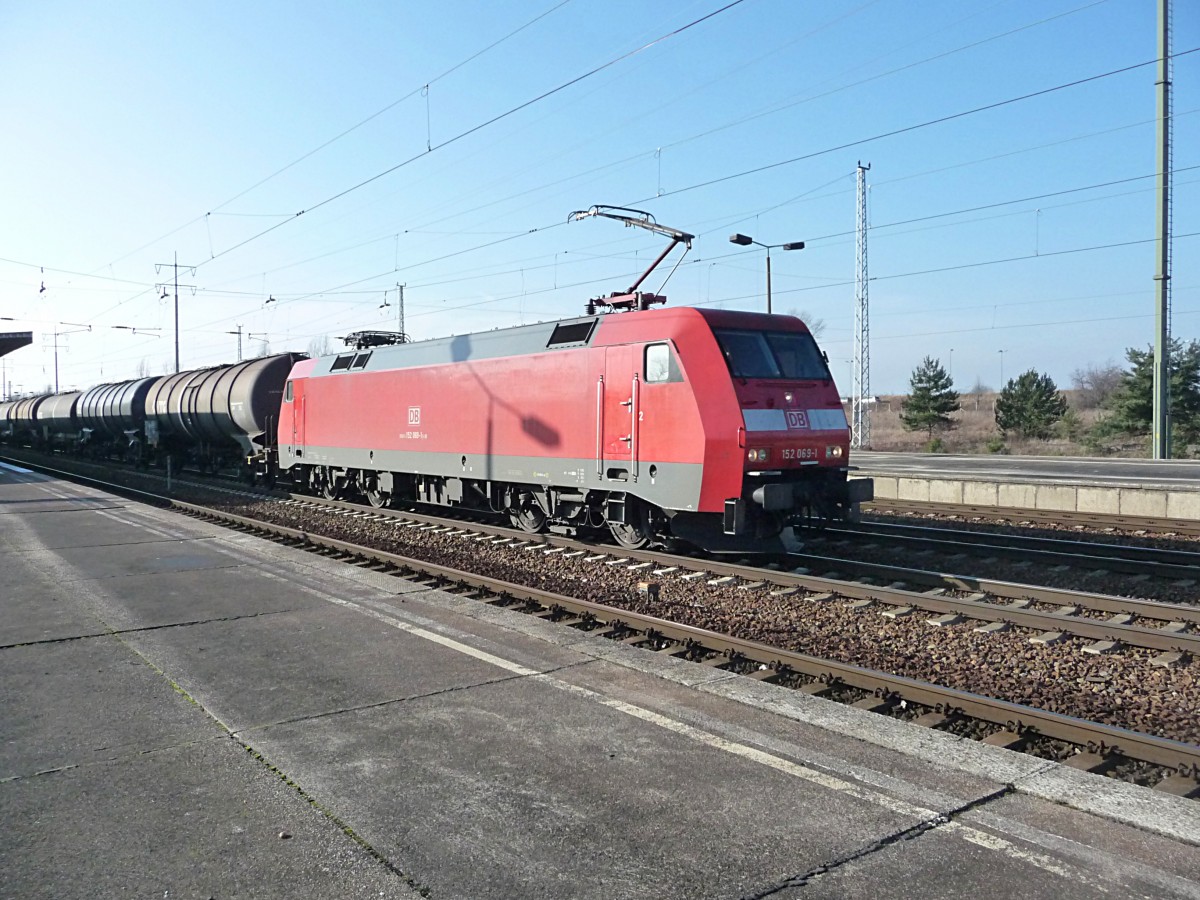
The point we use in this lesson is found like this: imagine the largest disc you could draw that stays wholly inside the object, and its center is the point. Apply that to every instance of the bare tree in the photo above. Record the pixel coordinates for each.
(320, 346)
(815, 325)
(1093, 384)
(978, 389)
(143, 368)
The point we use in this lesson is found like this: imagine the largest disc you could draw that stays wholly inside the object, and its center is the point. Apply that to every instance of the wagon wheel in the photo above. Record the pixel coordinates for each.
(528, 518)
(636, 533)
(378, 498)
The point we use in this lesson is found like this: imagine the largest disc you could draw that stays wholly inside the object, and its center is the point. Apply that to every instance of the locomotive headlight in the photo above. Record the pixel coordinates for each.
(757, 456)
(833, 452)
(787, 397)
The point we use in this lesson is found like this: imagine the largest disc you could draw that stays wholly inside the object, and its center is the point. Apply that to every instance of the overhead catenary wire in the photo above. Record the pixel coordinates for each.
(823, 237)
(895, 132)
(298, 282)
(710, 182)
(485, 124)
(345, 132)
(414, 91)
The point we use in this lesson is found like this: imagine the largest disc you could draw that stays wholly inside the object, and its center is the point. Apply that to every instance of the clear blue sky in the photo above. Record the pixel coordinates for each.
(136, 130)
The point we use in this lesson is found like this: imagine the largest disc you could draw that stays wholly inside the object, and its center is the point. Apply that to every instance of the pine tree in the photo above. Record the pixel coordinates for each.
(931, 398)
(1132, 403)
(1030, 405)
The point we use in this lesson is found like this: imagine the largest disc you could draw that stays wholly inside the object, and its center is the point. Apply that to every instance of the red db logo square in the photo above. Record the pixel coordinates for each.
(414, 415)
(796, 418)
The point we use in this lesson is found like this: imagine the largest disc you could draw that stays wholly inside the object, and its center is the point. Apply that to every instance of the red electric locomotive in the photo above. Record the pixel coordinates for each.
(716, 427)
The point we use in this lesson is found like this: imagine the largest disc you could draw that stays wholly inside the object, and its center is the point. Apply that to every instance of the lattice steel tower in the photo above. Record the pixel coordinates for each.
(860, 410)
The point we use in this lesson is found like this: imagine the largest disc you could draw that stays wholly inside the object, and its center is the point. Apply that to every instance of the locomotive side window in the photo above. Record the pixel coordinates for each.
(342, 362)
(361, 360)
(660, 365)
(772, 354)
(287, 393)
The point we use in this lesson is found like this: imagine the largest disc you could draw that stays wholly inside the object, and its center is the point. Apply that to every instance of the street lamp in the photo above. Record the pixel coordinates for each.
(745, 241)
(951, 373)
(1002, 352)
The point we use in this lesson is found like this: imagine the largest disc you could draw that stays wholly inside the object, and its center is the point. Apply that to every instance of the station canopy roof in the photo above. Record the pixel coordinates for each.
(14, 340)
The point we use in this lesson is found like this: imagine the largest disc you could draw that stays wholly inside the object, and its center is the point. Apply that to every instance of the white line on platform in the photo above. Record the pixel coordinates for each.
(13, 468)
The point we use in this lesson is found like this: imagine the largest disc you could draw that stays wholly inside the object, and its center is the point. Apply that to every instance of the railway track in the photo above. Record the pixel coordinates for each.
(1151, 562)
(1084, 744)
(1151, 524)
(1051, 614)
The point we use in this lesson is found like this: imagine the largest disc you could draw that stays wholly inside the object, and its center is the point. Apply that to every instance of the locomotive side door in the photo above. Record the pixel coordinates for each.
(297, 387)
(618, 412)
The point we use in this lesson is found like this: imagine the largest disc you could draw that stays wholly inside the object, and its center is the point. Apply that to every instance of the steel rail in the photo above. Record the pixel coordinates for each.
(1013, 590)
(1012, 614)
(1018, 549)
(1049, 622)
(1135, 555)
(1059, 517)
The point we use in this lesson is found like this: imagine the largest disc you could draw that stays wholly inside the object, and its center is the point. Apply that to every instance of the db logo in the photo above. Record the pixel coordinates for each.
(414, 415)
(796, 418)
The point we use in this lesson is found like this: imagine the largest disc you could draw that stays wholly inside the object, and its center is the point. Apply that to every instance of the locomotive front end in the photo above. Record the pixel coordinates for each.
(794, 440)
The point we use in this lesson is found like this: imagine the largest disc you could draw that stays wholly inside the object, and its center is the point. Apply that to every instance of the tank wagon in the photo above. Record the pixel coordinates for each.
(5, 425)
(217, 416)
(210, 418)
(44, 421)
(55, 421)
(23, 419)
(112, 418)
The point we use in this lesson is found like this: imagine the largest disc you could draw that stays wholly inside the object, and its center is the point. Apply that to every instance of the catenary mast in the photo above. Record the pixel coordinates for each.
(860, 412)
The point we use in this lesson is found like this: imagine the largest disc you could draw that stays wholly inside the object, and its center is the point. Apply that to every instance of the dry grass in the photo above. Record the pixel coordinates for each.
(975, 428)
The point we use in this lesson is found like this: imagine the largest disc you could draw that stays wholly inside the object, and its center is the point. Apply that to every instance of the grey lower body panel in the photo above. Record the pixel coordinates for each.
(671, 486)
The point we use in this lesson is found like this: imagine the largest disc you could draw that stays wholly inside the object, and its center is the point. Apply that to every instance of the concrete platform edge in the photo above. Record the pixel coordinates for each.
(1081, 496)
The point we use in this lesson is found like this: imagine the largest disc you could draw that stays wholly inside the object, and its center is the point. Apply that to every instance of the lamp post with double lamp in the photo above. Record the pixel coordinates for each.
(745, 241)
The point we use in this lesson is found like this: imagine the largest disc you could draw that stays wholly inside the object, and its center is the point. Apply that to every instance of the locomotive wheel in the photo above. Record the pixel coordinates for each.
(635, 534)
(527, 518)
(378, 498)
(327, 486)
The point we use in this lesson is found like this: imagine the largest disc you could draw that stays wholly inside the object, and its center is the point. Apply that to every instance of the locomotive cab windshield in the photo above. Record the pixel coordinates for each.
(778, 355)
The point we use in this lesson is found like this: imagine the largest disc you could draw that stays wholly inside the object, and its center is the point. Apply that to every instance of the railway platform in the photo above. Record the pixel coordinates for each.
(195, 712)
(1163, 489)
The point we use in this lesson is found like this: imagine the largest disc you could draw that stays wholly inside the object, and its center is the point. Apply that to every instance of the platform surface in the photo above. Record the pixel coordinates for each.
(192, 712)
